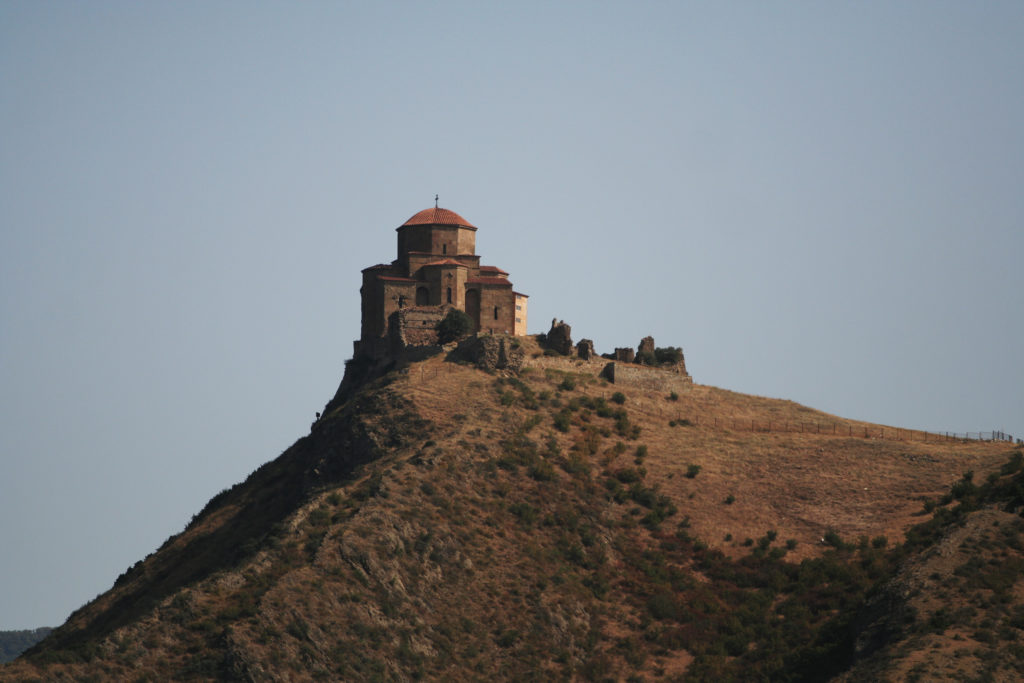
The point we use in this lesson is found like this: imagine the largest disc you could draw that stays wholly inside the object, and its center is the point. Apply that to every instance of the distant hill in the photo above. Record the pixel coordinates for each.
(13, 643)
(442, 522)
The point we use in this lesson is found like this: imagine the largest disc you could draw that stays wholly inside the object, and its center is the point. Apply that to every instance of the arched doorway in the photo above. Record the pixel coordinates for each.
(473, 306)
(422, 296)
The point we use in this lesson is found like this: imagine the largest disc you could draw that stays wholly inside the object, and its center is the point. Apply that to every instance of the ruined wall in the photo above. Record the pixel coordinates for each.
(645, 377)
(415, 326)
(494, 352)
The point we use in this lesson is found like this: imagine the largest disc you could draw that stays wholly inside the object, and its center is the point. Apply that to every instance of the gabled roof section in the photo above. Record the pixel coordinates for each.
(489, 281)
(493, 269)
(438, 216)
(445, 262)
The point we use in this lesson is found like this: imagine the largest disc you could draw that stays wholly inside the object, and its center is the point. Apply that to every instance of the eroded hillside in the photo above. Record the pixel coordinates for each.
(449, 523)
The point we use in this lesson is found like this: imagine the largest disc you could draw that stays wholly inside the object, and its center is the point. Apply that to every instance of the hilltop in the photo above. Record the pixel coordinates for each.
(441, 521)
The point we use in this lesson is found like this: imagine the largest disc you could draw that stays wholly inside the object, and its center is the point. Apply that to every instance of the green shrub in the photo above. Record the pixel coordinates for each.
(673, 396)
(833, 539)
(730, 499)
(628, 475)
(669, 354)
(663, 606)
(692, 471)
(619, 397)
(542, 470)
(568, 384)
(507, 638)
(455, 325)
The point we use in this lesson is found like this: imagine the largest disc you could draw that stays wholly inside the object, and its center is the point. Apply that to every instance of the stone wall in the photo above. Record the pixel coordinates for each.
(415, 326)
(645, 377)
(492, 352)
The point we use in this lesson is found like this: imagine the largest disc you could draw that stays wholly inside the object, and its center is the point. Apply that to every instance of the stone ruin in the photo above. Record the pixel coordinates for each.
(560, 337)
(414, 326)
(646, 354)
(646, 347)
(585, 349)
(492, 352)
(624, 355)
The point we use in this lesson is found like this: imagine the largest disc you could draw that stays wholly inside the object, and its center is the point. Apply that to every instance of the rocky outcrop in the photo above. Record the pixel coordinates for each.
(585, 349)
(559, 338)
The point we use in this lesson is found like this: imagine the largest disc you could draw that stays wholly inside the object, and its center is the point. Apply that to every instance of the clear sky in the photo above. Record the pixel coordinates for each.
(819, 201)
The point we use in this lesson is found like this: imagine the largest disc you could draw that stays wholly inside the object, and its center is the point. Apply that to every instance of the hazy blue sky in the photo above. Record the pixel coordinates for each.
(817, 201)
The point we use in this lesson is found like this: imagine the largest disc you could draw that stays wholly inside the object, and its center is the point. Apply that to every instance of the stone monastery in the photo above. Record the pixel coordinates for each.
(437, 269)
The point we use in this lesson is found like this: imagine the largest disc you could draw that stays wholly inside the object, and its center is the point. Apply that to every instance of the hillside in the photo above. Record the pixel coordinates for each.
(13, 643)
(444, 522)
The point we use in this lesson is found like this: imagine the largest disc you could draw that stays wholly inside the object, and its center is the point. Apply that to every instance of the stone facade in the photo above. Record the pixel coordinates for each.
(519, 328)
(436, 267)
(585, 349)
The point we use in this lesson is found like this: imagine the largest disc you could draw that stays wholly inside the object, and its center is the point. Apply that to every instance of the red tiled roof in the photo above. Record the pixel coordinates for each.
(525, 296)
(445, 262)
(436, 216)
(488, 281)
(379, 266)
(492, 269)
(393, 278)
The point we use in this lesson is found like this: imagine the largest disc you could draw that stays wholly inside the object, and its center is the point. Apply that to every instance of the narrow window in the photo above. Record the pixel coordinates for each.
(495, 312)
(450, 296)
(444, 248)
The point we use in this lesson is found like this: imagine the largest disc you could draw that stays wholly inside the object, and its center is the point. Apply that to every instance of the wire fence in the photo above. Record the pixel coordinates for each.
(840, 429)
(422, 374)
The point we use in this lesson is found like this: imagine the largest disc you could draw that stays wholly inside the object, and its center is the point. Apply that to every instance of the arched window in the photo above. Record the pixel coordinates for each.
(495, 312)
(444, 248)
(449, 295)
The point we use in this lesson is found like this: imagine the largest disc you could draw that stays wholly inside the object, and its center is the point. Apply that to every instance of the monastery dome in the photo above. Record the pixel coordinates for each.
(436, 216)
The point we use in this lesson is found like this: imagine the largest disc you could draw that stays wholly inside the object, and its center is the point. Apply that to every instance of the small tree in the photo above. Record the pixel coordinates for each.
(668, 354)
(646, 358)
(456, 325)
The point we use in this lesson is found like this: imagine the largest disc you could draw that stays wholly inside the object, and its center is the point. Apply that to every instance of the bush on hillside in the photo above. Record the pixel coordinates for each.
(646, 358)
(668, 354)
(456, 325)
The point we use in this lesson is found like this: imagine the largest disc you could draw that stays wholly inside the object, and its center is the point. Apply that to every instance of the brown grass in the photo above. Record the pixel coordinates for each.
(797, 484)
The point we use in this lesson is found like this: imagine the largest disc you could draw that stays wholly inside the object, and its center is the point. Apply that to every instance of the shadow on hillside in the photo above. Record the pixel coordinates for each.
(337, 445)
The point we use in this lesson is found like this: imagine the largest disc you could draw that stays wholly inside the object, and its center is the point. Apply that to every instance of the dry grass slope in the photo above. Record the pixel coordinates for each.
(445, 523)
